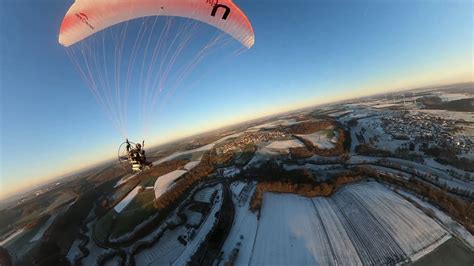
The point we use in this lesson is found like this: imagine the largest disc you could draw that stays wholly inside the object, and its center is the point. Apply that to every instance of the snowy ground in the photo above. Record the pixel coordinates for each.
(419, 169)
(289, 233)
(446, 97)
(385, 105)
(450, 115)
(358, 113)
(193, 218)
(244, 228)
(200, 149)
(443, 176)
(124, 179)
(94, 251)
(363, 223)
(340, 113)
(165, 182)
(451, 225)
(374, 134)
(165, 250)
(344, 250)
(413, 231)
(125, 201)
(434, 164)
(268, 150)
(191, 165)
(284, 145)
(44, 227)
(12, 236)
(205, 194)
(275, 124)
(237, 187)
(74, 251)
(264, 154)
(320, 139)
(202, 232)
(170, 251)
(230, 171)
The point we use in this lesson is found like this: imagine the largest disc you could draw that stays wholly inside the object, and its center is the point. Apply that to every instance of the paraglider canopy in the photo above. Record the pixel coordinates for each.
(138, 53)
(86, 17)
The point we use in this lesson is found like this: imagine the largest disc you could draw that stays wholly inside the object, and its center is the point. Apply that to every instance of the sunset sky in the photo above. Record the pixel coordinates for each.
(305, 53)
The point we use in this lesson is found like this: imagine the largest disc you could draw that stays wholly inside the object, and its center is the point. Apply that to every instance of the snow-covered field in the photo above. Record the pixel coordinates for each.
(454, 96)
(94, 251)
(44, 227)
(411, 229)
(342, 246)
(193, 218)
(267, 151)
(164, 182)
(200, 149)
(125, 201)
(275, 124)
(450, 115)
(167, 249)
(363, 223)
(290, 233)
(230, 171)
(284, 145)
(443, 175)
(385, 105)
(451, 225)
(191, 165)
(244, 228)
(74, 251)
(419, 169)
(124, 179)
(341, 113)
(431, 162)
(320, 139)
(205, 194)
(12, 236)
(237, 187)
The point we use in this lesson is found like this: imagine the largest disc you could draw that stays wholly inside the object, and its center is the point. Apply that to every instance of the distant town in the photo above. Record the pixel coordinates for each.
(382, 180)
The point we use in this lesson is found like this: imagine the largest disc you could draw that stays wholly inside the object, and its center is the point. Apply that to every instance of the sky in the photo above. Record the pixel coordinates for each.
(305, 53)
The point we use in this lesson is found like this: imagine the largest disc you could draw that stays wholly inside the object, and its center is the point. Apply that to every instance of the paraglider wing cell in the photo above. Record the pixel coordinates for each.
(86, 17)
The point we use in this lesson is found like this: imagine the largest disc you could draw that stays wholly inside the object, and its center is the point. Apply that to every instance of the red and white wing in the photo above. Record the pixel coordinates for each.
(86, 17)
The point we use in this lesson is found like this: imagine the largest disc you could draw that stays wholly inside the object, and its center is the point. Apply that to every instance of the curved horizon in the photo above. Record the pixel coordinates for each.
(322, 52)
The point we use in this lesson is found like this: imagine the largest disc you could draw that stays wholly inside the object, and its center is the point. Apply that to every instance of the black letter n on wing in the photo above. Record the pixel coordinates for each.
(226, 12)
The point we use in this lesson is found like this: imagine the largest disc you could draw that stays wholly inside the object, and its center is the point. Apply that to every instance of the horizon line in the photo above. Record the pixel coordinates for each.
(55, 177)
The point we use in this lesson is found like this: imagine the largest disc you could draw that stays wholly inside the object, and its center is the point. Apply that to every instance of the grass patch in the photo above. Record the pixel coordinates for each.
(149, 182)
(138, 210)
(329, 133)
(102, 227)
(24, 238)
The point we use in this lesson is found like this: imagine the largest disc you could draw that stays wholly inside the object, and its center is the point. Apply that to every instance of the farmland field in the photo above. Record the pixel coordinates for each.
(323, 139)
(362, 224)
(165, 182)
